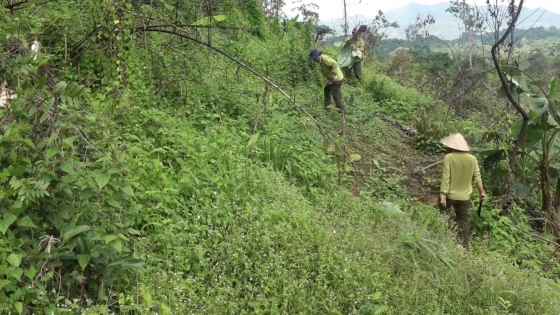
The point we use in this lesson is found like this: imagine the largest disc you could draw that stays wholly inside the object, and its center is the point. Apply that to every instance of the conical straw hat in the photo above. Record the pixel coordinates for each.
(456, 142)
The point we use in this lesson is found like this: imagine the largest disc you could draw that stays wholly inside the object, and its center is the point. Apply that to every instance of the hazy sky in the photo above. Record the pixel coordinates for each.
(329, 9)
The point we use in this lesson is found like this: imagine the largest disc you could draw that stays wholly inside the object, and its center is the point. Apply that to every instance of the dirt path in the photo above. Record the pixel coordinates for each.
(393, 152)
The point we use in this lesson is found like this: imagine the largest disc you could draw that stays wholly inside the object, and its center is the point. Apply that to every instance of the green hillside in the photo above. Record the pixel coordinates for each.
(159, 161)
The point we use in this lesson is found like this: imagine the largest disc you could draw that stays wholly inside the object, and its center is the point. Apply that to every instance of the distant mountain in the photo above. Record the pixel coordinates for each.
(447, 26)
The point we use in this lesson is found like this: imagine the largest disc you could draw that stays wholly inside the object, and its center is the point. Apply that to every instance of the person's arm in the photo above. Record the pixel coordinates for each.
(361, 45)
(478, 180)
(445, 179)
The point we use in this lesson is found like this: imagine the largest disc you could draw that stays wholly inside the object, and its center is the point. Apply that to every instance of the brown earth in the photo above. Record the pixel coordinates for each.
(400, 160)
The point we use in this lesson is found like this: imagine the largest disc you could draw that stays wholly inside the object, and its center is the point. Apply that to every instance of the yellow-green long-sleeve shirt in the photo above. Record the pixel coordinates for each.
(460, 171)
(358, 42)
(330, 69)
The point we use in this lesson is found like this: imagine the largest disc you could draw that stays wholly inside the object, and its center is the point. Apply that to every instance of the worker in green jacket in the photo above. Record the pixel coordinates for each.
(460, 171)
(334, 78)
(355, 42)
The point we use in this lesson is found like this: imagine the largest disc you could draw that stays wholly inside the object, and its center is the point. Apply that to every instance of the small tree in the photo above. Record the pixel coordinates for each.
(419, 28)
(472, 22)
(320, 32)
(272, 8)
(377, 30)
(306, 10)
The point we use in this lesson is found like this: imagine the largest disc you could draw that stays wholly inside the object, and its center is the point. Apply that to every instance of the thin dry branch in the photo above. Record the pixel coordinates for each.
(197, 26)
(18, 5)
(536, 235)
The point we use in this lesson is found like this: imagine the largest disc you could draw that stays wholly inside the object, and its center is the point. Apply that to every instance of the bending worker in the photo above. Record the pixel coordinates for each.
(334, 77)
(460, 170)
(356, 43)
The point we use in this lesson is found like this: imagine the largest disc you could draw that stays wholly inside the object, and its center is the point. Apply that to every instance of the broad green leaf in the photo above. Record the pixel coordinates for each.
(117, 245)
(113, 203)
(165, 310)
(512, 72)
(61, 86)
(50, 153)
(14, 260)
(553, 89)
(534, 133)
(19, 307)
(17, 204)
(355, 157)
(484, 152)
(29, 143)
(206, 20)
(66, 168)
(554, 172)
(42, 83)
(133, 231)
(523, 64)
(110, 238)
(520, 189)
(253, 139)
(26, 222)
(102, 179)
(128, 190)
(75, 231)
(4, 283)
(15, 273)
(83, 260)
(6, 222)
(126, 262)
(381, 309)
(391, 208)
(30, 273)
(70, 141)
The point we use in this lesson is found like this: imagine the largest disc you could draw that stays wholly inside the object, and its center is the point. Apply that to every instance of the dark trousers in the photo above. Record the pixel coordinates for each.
(357, 68)
(333, 90)
(462, 215)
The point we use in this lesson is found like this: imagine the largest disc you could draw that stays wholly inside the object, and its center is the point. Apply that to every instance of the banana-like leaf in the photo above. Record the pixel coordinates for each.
(521, 190)
(553, 89)
(554, 172)
(206, 20)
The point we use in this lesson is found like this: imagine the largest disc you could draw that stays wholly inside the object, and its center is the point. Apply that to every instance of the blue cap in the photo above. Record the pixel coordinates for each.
(315, 53)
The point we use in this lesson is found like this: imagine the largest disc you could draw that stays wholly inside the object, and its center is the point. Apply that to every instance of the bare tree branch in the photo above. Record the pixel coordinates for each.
(522, 134)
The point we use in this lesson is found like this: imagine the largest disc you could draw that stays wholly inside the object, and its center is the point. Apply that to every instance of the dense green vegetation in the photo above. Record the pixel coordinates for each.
(143, 172)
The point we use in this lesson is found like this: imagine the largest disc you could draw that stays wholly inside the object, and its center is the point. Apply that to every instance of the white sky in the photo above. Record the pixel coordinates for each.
(329, 9)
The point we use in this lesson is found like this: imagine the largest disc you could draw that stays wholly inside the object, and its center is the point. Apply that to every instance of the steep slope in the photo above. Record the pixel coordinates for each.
(172, 180)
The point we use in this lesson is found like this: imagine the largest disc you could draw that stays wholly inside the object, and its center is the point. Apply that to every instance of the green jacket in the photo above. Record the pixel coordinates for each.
(330, 69)
(460, 171)
(358, 42)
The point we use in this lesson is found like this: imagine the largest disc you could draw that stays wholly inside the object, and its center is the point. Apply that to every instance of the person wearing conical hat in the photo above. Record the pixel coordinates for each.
(460, 170)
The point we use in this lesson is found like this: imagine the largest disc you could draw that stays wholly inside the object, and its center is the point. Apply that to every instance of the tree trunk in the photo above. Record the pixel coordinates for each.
(345, 20)
(545, 187)
(470, 39)
(557, 197)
